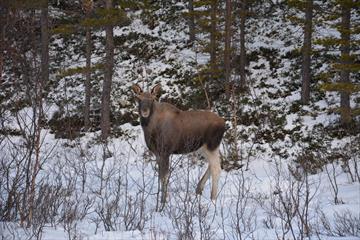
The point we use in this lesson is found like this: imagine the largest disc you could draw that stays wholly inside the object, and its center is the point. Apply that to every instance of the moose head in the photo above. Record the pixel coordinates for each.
(146, 99)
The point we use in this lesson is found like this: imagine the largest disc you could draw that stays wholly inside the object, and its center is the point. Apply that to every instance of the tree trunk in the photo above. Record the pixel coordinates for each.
(227, 52)
(242, 44)
(44, 43)
(345, 60)
(3, 15)
(87, 80)
(1, 55)
(213, 33)
(88, 7)
(306, 62)
(109, 62)
(191, 22)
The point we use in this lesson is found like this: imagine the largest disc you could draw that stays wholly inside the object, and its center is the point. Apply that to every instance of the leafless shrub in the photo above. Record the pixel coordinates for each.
(45, 197)
(13, 231)
(225, 216)
(243, 219)
(67, 204)
(350, 163)
(205, 218)
(323, 225)
(191, 215)
(22, 165)
(134, 208)
(332, 176)
(120, 200)
(182, 207)
(281, 205)
(14, 179)
(74, 209)
(346, 224)
(269, 222)
(157, 233)
(47, 202)
(290, 201)
(107, 192)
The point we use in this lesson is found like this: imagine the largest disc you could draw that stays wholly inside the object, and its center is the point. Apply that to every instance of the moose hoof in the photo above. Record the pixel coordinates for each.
(162, 206)
(213, 197)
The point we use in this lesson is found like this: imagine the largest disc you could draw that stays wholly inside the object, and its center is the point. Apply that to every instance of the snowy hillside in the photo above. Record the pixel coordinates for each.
(290, 171)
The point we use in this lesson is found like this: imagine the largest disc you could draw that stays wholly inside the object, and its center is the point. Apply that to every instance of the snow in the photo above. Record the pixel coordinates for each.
(246, 195)
(259, 186)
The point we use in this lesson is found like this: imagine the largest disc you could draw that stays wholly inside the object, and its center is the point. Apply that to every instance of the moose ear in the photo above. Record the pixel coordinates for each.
(137, 89)
(156, 90)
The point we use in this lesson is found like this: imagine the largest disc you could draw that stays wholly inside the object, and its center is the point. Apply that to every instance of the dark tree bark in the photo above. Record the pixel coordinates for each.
(306, 54)
(109, 62)
(191, 22)
(227, 53)
(243, 5)
(213, 32)
(44, 43)
(345, 60)
(87, 6)
(3, 20)
(87, 80)
(2, 43)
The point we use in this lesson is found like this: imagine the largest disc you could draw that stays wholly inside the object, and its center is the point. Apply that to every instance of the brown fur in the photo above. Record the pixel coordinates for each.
(169, 130)
(172, 131)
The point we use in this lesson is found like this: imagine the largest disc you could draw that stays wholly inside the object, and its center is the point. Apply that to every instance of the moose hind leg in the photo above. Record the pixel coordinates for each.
(215, 170)
(201, 184)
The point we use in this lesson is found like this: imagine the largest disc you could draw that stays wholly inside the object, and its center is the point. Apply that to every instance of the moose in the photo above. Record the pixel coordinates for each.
(169, 130)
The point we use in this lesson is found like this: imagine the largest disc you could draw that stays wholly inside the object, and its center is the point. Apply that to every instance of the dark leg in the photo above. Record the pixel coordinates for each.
(163, 179)
(202, 182)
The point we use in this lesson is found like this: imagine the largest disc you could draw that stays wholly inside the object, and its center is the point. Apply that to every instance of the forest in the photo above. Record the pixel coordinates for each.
(75, 163)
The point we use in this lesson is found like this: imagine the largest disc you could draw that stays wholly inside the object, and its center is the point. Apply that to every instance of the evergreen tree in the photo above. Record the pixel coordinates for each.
(88, 6)
(213, 34)
(3, 17)
(96, 18)
(245, 11)
(307, 8)
(243, 16)
(191, 20)
(227, 52)
(345, 64)
(208, 16)
(109, 65)
(306, 53)
(345, 60)
(44, 21)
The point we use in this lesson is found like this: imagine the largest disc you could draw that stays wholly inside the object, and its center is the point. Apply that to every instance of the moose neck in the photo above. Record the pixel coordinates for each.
(145, 121)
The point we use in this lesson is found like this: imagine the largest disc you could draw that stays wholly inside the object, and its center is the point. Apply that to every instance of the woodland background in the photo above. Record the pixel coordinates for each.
(284, 74)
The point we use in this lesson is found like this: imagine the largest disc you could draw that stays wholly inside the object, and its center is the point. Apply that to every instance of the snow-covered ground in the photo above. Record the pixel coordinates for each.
(114, 197)
(251, 203)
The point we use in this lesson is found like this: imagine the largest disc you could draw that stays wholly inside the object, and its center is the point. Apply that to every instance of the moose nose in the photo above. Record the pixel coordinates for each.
(145, 113)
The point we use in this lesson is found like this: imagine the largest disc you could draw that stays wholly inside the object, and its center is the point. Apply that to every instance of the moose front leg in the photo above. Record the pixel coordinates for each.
(163, 163)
